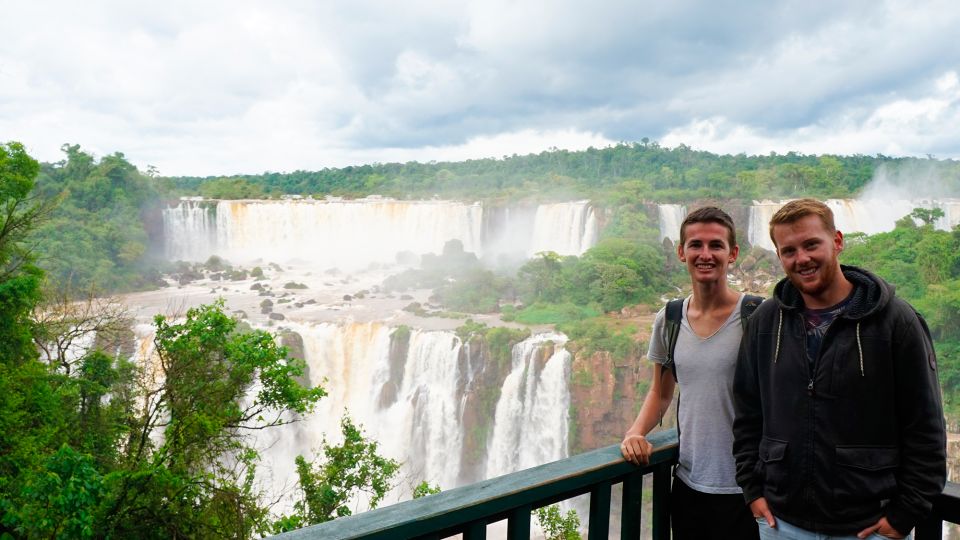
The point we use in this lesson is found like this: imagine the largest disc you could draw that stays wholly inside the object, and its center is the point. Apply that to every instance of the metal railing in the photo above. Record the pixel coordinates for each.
(946, 508)
(469, 509)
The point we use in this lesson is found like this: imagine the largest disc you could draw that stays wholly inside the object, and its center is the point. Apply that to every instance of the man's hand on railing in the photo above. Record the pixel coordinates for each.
(761, 510)
(636, 449)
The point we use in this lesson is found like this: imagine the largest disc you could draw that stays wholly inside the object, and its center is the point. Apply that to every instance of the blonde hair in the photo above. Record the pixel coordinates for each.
(796, 210)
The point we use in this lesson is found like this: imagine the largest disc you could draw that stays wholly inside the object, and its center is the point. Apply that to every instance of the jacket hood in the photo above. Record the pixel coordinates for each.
(870, 293)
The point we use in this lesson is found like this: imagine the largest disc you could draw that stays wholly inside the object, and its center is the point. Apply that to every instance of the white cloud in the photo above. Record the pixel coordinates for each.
(305, 154)
(523, 142)
(228, 87)
(899, 127)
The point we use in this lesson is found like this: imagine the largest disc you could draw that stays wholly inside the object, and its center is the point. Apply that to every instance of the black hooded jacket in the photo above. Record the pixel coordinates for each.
(861, 435)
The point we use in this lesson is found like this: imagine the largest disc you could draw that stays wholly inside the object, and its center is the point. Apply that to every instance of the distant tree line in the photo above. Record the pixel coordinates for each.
(645, 168)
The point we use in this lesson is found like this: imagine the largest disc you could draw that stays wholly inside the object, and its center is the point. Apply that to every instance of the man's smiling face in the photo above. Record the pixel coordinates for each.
(707, 251)
(809, 254)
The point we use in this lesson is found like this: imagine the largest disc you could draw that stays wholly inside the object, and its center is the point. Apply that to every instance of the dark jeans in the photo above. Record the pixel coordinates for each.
(699, 516)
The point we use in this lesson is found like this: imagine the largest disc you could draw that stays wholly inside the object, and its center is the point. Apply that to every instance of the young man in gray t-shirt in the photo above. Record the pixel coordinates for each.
(705, 500)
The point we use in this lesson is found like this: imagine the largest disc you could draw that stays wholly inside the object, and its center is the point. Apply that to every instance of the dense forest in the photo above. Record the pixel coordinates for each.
(93, 446)
(90, 447)
(643, 171)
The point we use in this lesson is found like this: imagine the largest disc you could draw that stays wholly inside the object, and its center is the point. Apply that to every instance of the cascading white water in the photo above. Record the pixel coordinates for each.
(870, 216)
(347, 234)
(590, 231)
(531, 422)
(758, 228)
(190, 231)
(671, 216)
(567, 228)
(71, 351)
(425, 421)
(353, 234)
(950, 208)
(422, 428)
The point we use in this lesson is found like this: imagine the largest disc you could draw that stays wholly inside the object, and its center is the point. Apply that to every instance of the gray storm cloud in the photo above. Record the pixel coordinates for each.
(218, 88)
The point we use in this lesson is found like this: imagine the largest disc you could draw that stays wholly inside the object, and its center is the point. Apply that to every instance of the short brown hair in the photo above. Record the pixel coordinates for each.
(796, 210)
(709, 214)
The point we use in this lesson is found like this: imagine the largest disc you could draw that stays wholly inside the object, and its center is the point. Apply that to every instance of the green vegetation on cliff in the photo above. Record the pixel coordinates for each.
(94, 446)
(97, 236)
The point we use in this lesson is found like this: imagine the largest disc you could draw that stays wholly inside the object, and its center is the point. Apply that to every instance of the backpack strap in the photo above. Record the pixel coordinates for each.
(672, 321)
(750, 304)
(674, 315)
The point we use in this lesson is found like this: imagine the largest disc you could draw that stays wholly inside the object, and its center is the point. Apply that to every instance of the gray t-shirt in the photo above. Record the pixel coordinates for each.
(705, 369)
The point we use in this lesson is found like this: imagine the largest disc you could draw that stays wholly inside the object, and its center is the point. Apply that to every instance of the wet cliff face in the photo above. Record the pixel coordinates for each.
(294, 344)
(605, 396)
(606, 392)
(480, 397)
(399, 350)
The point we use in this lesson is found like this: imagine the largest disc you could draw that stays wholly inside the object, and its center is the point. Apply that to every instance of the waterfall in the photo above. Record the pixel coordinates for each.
(869, 216)
(354, 234)
(671, 216)
(72, 348)
(349, 234)
(423, 427)
(531, 422)
(190, 231)
(758, 230)
(951, 213)
(567, 228)
(429, 409)
(420, 428)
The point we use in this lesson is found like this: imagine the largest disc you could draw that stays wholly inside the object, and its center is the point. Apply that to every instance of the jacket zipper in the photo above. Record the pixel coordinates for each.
(809, 493)
(811, 374)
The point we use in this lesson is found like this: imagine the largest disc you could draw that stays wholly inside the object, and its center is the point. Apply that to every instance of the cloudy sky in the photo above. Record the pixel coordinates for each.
(223, 87)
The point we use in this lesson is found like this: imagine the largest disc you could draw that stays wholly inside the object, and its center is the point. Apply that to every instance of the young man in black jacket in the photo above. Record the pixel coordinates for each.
(839, 427)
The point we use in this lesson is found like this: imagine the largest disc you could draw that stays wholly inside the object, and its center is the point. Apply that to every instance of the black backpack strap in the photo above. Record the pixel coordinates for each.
(674, 315)
(672, 321)
(750, 304)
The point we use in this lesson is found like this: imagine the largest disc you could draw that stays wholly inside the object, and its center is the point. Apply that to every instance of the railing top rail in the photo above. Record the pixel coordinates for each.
(491, 500)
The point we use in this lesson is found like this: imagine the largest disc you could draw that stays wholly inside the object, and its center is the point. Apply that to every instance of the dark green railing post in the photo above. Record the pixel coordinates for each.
(632, 500)
(661, 502)
(599, 512)
(475, 531)
(929, 529)
(518, 524)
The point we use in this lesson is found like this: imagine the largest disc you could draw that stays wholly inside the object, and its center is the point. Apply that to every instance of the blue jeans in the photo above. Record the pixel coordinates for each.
(786, 531)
